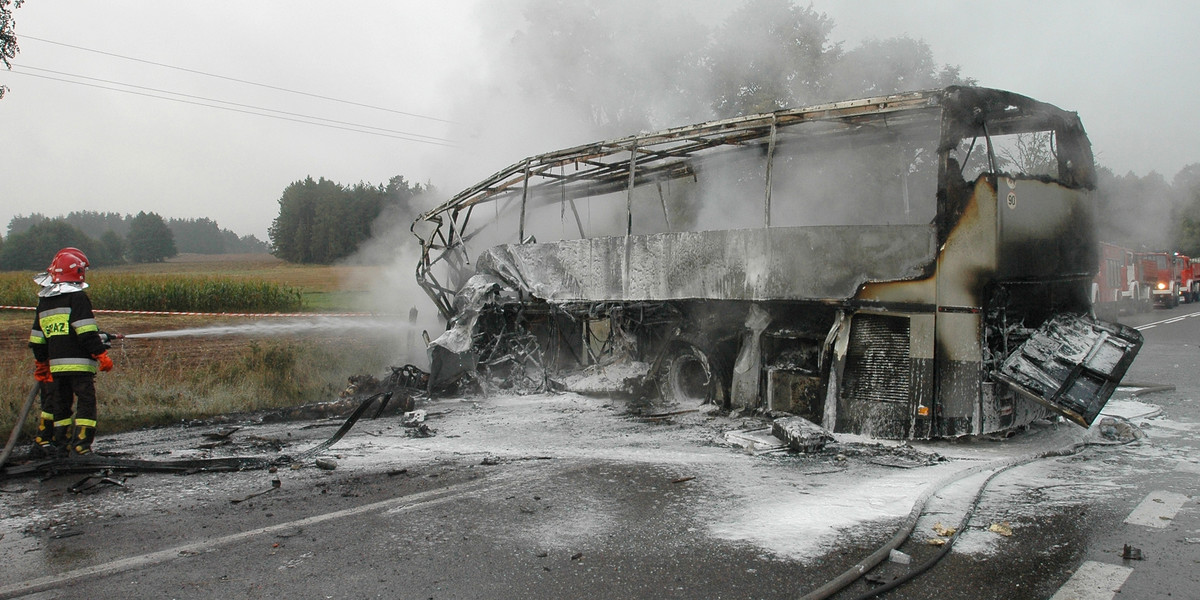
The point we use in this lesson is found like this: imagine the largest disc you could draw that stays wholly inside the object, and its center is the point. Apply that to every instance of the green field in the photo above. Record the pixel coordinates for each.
(211, 283)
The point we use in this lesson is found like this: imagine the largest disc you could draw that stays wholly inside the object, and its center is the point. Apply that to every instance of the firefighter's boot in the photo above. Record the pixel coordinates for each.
(60, 444)
(44, 440)
(81, 440)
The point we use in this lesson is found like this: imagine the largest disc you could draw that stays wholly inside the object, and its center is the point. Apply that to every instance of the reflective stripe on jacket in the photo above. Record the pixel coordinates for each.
(65, 334)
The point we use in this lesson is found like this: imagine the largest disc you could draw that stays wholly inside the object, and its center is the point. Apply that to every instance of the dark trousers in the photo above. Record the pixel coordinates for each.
(78, 389)
(49, 396)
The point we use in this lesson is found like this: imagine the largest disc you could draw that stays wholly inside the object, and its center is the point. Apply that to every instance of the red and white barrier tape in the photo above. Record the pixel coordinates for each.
(208, 314)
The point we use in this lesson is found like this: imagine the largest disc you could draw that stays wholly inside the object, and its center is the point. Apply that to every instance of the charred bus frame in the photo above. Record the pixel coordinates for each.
(909, 266)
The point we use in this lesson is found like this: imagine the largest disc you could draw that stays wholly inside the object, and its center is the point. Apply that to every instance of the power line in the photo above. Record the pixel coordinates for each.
(254, 83)
(248, 112)
(249, 106)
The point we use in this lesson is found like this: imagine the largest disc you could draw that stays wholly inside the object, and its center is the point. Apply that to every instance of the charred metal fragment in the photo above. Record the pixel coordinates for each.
(801, 435)
(1072, 364)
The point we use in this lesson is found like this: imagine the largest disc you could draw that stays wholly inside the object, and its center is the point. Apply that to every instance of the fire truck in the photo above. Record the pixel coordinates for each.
(1172, 277)
(1121, 286)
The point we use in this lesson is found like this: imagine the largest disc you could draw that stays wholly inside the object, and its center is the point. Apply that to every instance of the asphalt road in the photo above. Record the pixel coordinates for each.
(621, 513)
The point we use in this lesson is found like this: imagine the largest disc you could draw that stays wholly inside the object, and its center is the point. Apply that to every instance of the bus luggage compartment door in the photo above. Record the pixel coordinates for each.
(1072, 364)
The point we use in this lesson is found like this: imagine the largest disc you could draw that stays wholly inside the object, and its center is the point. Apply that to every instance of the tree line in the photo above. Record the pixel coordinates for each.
(110, 238)
(321, 221)
(1150, 212)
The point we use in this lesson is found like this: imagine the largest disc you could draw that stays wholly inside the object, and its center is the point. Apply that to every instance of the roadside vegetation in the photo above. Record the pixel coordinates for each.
(200, 283)
(185, 293)
(164, 381)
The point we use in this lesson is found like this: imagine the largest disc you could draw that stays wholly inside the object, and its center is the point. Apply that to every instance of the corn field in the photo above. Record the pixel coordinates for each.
(119, 291)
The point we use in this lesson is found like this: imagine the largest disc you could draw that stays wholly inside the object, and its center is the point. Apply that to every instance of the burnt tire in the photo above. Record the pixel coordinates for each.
(690, 376)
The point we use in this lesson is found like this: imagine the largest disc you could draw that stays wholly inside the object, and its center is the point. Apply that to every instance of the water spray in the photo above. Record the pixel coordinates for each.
(276, 328)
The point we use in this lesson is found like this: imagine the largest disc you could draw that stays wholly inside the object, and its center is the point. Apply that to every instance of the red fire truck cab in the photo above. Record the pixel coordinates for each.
(1172, 277)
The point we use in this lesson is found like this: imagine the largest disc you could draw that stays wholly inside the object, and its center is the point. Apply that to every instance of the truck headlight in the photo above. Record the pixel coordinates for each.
(1162, 286)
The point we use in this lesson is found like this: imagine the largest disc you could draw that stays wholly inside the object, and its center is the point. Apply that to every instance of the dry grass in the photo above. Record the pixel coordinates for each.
(168, 380)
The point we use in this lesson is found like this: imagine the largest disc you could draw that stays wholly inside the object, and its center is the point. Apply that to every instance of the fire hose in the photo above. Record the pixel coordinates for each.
(16, 432)
(867, 564)
(92, 462)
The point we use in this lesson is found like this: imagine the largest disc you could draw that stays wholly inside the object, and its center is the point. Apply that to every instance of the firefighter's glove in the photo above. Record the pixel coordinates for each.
(104, 360)
(41, 372)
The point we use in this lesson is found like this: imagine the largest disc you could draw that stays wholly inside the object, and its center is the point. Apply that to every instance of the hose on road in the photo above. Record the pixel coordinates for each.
(867, 564)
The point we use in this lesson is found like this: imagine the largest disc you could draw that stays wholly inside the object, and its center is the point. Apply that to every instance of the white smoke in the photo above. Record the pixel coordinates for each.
(555, 74)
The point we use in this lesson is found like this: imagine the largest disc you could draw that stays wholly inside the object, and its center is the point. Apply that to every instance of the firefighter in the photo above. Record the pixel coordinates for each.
(68, 350)
(41, 372)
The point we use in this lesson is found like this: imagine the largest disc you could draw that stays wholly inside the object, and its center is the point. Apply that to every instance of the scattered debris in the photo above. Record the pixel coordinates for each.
(275, 484)
(261, 443)
(1119, 430)
(490, 461)
(622, 377)
(879, 579)
(577, 556)
(1132, 553)
(943, 531)
(899, 557)
(93, 482)
(421, 430)
(413, 418)
(682, 479)
(1003, 528)
(936, 541)
(408, 378)
(66, 534)
(901, 456)
(801, 435)
(668, 415)
(755, 441)
(221, 434)
(326, 463)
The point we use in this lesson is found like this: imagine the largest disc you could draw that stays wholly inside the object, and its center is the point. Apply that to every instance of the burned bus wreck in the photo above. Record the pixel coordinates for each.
(904, 267)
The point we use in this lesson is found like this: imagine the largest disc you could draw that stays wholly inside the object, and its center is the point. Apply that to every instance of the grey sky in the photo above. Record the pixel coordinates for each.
(1129, 69)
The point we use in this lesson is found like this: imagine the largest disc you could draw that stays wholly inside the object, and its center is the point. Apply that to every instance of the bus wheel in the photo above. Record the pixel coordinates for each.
(689, 376)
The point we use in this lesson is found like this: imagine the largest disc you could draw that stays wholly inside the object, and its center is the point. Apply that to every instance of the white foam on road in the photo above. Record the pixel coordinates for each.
(1188, 467)
(1157, 510)
(1093, 581)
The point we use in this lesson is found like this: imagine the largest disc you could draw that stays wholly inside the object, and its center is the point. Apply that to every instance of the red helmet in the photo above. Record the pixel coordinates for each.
(68, 265)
